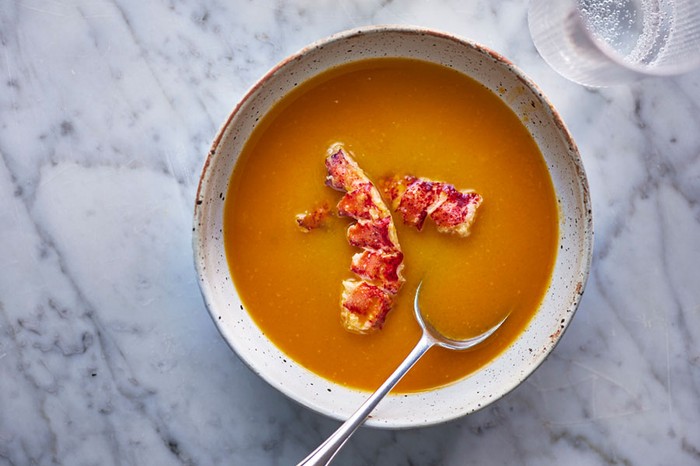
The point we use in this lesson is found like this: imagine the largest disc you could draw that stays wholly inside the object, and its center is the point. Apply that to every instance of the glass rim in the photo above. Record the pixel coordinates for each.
(616, 58)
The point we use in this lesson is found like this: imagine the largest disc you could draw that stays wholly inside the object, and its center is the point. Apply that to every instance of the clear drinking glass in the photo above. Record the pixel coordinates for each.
(607, 42)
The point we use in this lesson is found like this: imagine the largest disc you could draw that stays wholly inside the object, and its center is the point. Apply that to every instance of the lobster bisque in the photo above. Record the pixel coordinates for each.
(397, 117)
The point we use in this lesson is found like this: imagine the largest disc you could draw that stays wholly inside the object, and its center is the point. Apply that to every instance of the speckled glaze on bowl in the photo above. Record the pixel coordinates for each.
(575, 228)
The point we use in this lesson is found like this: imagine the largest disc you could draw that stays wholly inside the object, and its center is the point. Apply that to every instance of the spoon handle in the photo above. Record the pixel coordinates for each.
(328, 449)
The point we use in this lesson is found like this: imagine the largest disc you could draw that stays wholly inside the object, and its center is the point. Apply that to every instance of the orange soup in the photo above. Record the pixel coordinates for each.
(402, 117)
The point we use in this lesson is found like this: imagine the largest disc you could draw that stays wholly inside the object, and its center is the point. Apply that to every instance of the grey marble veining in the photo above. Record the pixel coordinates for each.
(107, 355)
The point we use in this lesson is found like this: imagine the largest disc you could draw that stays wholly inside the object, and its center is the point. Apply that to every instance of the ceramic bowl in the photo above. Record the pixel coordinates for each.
(575, 228)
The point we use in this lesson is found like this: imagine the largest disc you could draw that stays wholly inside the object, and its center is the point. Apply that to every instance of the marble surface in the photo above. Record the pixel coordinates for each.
(107, 354)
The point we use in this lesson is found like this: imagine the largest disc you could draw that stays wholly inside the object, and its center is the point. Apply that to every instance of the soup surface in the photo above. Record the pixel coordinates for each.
(397, 117)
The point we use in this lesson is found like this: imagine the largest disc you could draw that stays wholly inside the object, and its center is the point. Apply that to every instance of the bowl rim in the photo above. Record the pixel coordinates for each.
(587, 238)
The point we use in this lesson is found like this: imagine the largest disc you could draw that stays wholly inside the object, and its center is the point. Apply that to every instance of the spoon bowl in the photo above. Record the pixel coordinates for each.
(430, 337)
(439, 339)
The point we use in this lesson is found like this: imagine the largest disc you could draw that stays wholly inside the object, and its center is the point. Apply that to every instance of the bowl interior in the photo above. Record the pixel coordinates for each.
(575, 228)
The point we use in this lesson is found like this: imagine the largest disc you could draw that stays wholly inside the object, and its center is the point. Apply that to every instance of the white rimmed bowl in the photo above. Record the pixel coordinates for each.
(575, 228)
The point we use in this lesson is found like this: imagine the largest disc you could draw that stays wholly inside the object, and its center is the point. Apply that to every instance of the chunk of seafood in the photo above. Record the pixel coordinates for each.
(362, 203)
(364, 306)
(379, 267)
(452, 210)
(366, 302)
(419, 200)
(456, 214)
(343, 172)
(315, 218)
(379, 234)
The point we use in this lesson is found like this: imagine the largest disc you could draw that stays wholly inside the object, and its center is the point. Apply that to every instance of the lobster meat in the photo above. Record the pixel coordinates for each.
(452, 211)
(367, 299)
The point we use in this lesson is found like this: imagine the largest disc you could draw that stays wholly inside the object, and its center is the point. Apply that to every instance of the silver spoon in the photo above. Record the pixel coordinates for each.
(431, 337)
